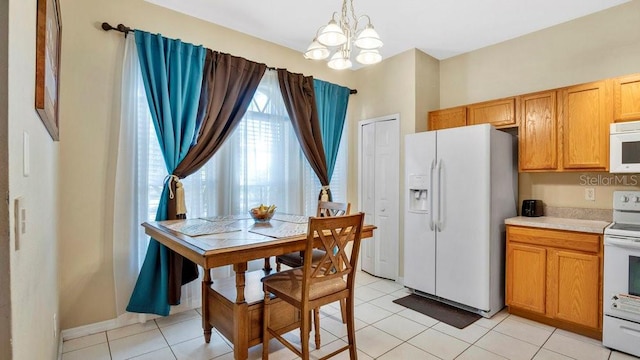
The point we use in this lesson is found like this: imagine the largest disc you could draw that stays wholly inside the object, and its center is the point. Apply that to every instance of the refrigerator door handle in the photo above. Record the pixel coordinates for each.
(431, 222)
(440, 198)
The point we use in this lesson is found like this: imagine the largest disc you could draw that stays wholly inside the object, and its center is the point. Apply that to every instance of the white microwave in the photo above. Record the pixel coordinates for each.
(624, 151)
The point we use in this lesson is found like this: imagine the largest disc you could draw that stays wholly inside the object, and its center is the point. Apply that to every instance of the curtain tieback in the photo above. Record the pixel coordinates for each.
(325, 195)
(181, 207)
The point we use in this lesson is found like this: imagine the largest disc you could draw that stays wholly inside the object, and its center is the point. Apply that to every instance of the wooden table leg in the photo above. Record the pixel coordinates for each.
(267, 266)
(240, 315)
(206, 325)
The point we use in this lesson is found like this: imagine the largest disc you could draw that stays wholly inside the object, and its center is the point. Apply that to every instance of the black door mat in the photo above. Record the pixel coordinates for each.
(446, 313)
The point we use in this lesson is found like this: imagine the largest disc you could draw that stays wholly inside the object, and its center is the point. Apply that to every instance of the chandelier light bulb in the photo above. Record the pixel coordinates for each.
(339, 61)
(368, 39)
(332, 35)
(369, 57)
(316, 51)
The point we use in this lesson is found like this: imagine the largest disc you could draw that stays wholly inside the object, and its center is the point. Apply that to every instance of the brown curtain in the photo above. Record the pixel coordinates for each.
(228, 85)
(300, 101)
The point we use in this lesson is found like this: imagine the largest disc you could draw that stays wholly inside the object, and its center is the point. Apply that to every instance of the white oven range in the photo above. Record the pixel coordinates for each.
(621, 294)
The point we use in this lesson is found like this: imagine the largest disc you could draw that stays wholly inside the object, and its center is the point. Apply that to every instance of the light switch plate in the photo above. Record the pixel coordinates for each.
(20, 216)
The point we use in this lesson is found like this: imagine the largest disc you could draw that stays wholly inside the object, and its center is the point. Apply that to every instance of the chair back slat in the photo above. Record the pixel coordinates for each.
(333, 235)
(329, 208)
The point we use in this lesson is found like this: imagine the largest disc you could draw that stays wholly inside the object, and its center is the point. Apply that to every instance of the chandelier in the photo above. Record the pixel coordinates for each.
(340, 35)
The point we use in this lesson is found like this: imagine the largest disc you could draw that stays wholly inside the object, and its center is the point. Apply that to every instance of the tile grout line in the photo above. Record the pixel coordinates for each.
(109, 345)
(165, 338)
(485, 334)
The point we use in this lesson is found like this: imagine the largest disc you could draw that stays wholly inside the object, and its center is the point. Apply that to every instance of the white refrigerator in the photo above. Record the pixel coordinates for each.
(461, 184)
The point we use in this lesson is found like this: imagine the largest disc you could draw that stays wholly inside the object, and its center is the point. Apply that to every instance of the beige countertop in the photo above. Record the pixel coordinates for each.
(556, 223)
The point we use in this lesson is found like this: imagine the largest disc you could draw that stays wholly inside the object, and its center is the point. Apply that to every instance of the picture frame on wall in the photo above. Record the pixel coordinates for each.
(48, 36)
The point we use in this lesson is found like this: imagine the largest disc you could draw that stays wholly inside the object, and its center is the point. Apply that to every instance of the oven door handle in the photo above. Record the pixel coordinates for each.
(622, 242)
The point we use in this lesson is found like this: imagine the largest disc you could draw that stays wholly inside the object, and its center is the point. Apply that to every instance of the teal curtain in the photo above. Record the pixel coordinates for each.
(172, 72)
(331, 101)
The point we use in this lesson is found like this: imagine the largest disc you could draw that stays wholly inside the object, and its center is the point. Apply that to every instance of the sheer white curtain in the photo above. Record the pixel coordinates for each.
(126, 229)
(139, 176)
(261, 162)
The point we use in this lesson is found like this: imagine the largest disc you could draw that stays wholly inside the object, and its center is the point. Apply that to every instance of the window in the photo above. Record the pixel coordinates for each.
(261, 162)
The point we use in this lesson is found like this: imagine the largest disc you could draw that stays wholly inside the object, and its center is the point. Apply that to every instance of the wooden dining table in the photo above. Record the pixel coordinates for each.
(233, 305)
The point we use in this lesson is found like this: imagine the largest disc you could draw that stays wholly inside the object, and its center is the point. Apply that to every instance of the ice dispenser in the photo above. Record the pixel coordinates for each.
(418, 193)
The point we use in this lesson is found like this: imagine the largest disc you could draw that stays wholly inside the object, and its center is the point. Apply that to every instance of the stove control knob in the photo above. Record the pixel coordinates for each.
(624, 198)
(636, 199)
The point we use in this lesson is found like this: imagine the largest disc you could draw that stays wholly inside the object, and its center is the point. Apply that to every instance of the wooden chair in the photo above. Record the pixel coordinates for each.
(316, 284)
(294, 260)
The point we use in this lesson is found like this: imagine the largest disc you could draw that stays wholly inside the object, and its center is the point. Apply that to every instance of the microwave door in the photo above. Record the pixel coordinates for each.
(624, 154)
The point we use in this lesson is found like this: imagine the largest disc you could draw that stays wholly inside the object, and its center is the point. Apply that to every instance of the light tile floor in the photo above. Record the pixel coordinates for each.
(384, 330)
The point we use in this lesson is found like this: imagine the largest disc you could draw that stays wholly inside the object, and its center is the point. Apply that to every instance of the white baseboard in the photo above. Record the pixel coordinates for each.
(60, 346)
(191, 299)
(120, 321)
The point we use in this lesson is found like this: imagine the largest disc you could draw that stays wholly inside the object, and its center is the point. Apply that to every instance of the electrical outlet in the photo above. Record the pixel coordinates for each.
(590, 194)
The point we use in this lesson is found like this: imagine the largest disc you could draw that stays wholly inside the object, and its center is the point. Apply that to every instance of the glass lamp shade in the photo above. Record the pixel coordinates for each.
(339, 61)
(332, 35)
(368, 57)
(316, 51)
(368, 39)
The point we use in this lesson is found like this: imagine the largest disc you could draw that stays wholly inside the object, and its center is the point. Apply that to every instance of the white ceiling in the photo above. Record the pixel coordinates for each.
(440, 28)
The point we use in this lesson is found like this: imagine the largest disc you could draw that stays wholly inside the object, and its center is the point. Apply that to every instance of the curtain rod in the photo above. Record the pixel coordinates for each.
(126, 30)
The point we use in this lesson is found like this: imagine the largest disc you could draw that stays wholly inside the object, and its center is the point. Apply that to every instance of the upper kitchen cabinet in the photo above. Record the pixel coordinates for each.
(538, 145)
(626, 98)
(584, 116)
(499, 113)
(447, 118)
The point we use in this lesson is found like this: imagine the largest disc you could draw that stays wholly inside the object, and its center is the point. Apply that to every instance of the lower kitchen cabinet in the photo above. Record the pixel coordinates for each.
(526, 277)
(555, 277)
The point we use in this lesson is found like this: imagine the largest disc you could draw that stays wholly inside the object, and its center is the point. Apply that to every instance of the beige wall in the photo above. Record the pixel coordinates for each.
(383, 89)
(91, 59)
(406, 84)
(34, 265)
(594, 47)
(427, 88)
(568, 189)
(605, 44)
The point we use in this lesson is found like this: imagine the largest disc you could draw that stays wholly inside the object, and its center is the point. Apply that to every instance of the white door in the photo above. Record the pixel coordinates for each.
(367, 191)
(462, 245)
(379, 184)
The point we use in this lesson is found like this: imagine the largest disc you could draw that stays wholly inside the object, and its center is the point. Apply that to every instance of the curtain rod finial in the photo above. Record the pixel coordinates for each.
(123, 28)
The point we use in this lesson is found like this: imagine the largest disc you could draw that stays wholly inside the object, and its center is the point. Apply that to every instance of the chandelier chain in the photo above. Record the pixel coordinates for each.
(353, 15)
